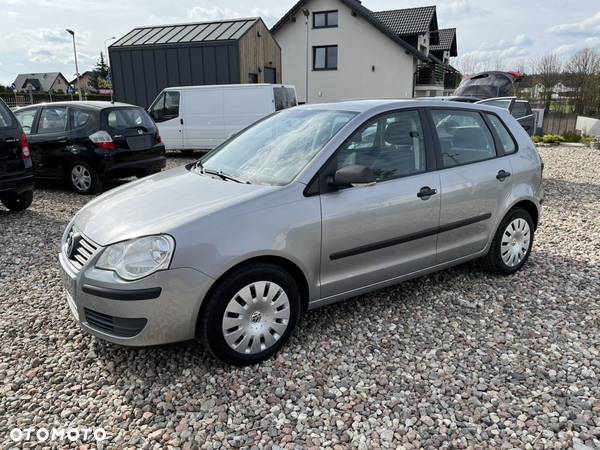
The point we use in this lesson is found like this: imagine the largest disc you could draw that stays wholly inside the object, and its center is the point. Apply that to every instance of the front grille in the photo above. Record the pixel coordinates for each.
(79, 249)
(117, 326)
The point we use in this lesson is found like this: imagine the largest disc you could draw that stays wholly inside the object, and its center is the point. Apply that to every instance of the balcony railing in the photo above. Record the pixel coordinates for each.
(452, 79)
(430, 74)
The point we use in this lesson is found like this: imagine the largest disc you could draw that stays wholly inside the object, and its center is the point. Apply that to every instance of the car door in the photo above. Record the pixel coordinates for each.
(475, 182)
(376, 233)
(168, 116)
(49, 141)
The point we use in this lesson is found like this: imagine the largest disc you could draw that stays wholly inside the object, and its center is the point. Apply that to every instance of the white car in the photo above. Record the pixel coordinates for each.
(202, 117)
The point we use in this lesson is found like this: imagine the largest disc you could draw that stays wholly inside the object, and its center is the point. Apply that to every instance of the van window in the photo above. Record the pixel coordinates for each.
(166, 107)
(464, 137)
(519, 110)
(285, 97)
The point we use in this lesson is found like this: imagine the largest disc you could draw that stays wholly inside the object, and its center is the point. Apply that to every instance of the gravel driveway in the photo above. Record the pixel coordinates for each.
(454, 360)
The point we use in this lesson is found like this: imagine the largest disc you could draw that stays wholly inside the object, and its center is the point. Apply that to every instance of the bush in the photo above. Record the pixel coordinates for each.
(572, 137)
(552, 139)
(588, 140)
(536, 139)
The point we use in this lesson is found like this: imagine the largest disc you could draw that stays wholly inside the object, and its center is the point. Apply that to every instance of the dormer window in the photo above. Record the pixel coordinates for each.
(325, 19)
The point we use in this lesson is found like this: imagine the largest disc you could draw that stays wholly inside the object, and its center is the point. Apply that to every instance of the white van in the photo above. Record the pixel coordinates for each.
(202, 117)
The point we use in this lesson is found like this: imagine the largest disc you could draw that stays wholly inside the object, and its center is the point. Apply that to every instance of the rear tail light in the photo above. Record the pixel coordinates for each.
(25, 153)
(103, 140)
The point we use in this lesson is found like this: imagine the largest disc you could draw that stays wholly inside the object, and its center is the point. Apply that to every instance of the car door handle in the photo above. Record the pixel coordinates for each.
(426, 192)
(502, 175)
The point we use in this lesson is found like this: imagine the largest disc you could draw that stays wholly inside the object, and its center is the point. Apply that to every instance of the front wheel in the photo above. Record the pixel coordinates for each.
(250, 315)
(512, 243)
(17, 202)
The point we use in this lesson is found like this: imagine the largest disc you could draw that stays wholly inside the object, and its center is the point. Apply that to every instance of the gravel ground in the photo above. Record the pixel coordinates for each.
(459, 359)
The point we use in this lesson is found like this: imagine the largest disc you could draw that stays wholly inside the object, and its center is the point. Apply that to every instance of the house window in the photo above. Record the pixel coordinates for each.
(325, 19)
(252, 78)
(325, 58)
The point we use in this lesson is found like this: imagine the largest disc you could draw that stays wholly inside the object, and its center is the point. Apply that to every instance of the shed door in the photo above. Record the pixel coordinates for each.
(270, 75)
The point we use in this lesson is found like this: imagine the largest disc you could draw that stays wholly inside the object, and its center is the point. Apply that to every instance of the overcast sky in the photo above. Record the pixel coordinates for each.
(511, 31)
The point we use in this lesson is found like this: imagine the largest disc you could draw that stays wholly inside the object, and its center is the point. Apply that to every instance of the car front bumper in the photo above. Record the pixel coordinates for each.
(158, 309)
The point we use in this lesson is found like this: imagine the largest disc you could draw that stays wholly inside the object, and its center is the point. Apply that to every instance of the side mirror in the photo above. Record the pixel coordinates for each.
(355, 176)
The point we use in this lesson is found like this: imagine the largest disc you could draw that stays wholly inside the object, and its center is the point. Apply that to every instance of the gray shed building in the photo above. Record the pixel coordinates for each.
(148, 59)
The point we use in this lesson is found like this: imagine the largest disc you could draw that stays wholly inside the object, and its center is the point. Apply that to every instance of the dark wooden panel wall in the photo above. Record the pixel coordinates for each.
(140, 73)
(258, 49)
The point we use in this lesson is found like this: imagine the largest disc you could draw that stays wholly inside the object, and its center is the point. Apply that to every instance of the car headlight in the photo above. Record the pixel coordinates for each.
(139, 257)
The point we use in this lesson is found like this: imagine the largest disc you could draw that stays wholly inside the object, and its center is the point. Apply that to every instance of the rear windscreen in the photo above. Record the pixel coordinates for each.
(6, 120)
(285, 97)
(119, 119)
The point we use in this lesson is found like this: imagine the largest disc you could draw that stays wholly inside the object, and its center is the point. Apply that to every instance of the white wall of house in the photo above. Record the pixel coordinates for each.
(360, 48)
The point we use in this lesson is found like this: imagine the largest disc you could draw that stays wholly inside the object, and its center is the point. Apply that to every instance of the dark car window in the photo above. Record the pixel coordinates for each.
(123, 118)
(53, 119)
(285, 97)
(166, 107)
(519, 110)
(80, 117)
(392, 146)
(464, 137)
(508, 143)
(6, 120)
(26, 119)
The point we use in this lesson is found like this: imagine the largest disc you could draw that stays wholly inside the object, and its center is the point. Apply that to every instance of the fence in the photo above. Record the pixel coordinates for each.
(24, 99)
(559, 122)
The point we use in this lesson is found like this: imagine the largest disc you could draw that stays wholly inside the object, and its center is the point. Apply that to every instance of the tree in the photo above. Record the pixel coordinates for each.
(583, 73)
(548, 73)
(101, 69)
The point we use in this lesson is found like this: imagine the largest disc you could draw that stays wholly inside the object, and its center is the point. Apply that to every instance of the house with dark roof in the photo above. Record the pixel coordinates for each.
(339, 49)
(148, 59)
(41, 82)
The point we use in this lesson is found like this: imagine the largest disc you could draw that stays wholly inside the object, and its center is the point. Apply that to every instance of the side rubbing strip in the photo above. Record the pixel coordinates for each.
(409, 237)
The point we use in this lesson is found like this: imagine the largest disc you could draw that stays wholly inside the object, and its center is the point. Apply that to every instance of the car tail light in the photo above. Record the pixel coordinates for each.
(103, 140)
(25, 153)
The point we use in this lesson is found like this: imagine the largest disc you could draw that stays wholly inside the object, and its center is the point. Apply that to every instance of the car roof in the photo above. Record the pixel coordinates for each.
(84, 104)
(363, 106)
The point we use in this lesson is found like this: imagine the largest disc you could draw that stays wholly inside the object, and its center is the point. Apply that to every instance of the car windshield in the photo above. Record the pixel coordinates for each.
(275, 150)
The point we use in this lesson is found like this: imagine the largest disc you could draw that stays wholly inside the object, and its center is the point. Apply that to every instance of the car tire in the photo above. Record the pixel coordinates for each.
(187, 152)
(250, 314)
(512, 243)
(17, 202)
(83, 178)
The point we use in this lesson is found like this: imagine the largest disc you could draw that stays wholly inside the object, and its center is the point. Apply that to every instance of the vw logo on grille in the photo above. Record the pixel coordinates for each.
(140, 132)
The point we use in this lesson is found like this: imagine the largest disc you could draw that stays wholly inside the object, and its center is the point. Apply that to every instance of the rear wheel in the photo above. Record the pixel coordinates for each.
(17, 202)
(83, 178)
(187, 152)
(512, 243)
(250, 315)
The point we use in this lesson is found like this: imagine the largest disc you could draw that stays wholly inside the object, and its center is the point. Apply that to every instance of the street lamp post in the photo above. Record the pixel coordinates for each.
(306, 13)
(72, 33)
(108, 64)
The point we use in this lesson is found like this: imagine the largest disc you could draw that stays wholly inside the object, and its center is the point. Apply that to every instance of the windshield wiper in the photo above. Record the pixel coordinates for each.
(224, 176)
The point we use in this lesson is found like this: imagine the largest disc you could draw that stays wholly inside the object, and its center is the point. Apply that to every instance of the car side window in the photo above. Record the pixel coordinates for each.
(508, 143)
(26, 119)
(464, 137)
(53, 119)
(392, 146)
(519, 110)
(166, 107)
(80, 118)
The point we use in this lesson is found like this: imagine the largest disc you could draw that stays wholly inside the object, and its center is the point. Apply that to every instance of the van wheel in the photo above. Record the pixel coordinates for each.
(250, 314)
(83, 178)
(17, 202)
(512, 243)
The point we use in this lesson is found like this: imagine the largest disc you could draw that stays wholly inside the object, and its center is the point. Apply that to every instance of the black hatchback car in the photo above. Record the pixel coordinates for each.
(85, 143)
(16, 173)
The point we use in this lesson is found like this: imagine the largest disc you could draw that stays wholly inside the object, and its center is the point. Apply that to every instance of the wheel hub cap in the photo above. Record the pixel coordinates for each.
(515, 242)
(256, 317)
(81, 177)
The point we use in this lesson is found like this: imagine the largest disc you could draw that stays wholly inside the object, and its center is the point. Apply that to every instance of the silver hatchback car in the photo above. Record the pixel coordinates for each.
(309, 206)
